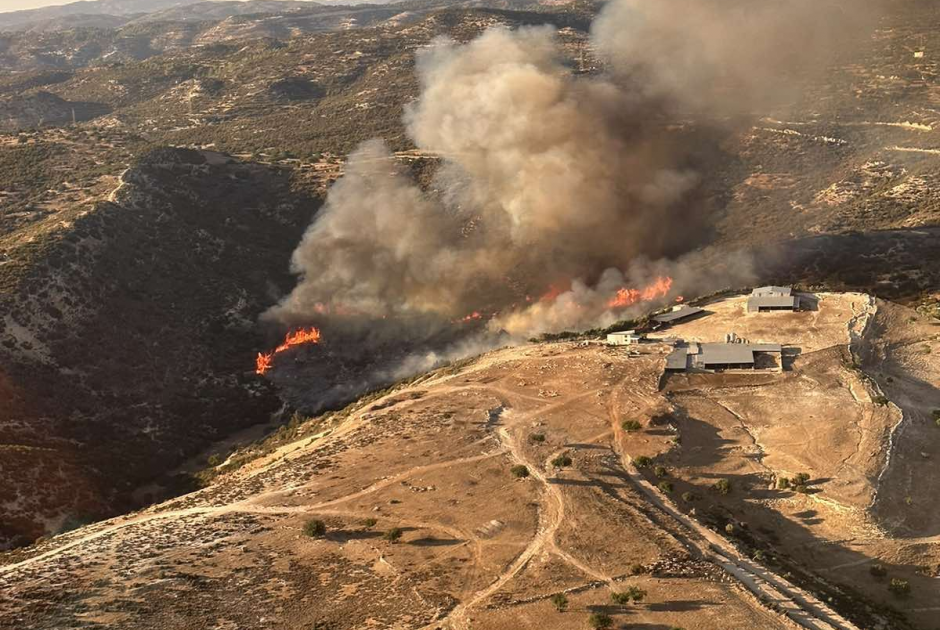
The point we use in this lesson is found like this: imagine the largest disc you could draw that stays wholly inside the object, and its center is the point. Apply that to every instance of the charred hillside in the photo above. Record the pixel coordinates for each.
(125, 342)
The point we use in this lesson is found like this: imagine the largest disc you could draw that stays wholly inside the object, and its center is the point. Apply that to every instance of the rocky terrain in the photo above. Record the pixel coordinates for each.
(157, 171)
(530, 485)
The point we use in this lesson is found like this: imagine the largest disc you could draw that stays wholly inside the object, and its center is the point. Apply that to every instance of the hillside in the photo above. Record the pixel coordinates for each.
(621, 492)
(129, 323)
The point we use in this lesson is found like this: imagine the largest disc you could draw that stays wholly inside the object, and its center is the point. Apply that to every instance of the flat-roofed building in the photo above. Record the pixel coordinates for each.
(768, 299)
(725, 356)
(624, 338)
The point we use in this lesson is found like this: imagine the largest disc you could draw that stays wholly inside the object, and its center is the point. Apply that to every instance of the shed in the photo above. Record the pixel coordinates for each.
(624, 338)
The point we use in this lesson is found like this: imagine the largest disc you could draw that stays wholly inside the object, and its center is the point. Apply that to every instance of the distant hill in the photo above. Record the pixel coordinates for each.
(85, 8)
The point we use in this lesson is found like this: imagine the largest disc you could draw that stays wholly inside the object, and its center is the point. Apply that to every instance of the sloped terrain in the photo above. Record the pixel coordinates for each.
(128, 326)
(480, 547)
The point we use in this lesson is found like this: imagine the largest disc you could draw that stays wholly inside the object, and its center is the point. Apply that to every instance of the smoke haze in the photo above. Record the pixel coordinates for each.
(549, 182)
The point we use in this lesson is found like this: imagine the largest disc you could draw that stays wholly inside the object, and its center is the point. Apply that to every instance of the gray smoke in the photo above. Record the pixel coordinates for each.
(549, 180)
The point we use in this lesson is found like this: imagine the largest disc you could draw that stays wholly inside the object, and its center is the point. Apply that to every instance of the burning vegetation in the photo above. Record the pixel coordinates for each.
(265, 361)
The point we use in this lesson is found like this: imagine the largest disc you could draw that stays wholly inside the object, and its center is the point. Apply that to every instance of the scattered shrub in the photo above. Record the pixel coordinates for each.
(660, 471)
(801, 479)
(729, 529)
(783, 483)
(600, 621)
(878, 571)
(637, 569)
(519, 471)
(665, 486)
(722, 486)
(899, 587)
(689, 497)
(214, 460)
(560, 602)
(315, 528)
(370, 522)
(642, 461)
(561, 461)
(631, 426)
(538, 438)
(393, 535)
(880, 401)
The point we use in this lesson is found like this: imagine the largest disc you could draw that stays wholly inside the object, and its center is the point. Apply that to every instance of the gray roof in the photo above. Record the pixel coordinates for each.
(772, 301)
(678, 359)
(680, 313)
(726, 353)
(765, 347)
(772, 290)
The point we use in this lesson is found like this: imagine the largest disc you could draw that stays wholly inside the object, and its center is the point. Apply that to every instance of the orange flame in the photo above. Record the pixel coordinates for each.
(265, 362)
(475, 315)
(628, 297)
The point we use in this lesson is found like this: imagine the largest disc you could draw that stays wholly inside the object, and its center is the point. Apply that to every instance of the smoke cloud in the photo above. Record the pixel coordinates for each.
(549, 182)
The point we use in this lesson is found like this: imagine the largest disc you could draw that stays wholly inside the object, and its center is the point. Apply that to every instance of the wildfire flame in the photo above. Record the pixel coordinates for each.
(264, 362)
(628, 297)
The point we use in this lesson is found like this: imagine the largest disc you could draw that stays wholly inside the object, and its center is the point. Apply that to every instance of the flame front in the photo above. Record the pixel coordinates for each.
(628, 297)
(265, 362)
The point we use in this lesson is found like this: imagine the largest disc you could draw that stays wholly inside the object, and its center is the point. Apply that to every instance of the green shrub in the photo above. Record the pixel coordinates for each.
(631, 426)
(900, 588)
(621, 599)
(600, 621)
(878, 571)
(560, 602)
(315, 528)
(783, 483)
(632, 594)
(880, 400)
(214, 460)
(660, 471)
(370, 522)
(665, 486)
(393, 535)
(689, 497)
(519, 471)
(561, 461)
(636, 569)
(801, 479)
(642, 461)
(722, 486)
(538, 438)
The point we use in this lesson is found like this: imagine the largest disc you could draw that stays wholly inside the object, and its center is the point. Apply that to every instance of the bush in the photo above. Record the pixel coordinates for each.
(561, 461)
(880, 400)
(660, 471)
(783, 483)
(636, 569)
(519, 471)
(560, 602)
(600, 621)
(631, 426)
(878, 571)
(315, 528)
(665, 486)
(936, 416)
(370, 522)
(632, 594)
(642, 461)
(214, 460)
(689, 497)
(899, 587)
(538, 438)
(801, 479)
(393, 535)
(722, 486)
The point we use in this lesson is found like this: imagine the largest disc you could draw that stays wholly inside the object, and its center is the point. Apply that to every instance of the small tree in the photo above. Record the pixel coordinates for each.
(393, 535)
(631, 426)
(561, 461)
(600, 621)
(783, 483)
(560, 602)
(801, 479)
(315, 528)
(722, 486)
(900, 588)
(519, 471)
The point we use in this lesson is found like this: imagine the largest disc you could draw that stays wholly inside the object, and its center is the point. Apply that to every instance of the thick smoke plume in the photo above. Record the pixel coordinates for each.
(552, 183)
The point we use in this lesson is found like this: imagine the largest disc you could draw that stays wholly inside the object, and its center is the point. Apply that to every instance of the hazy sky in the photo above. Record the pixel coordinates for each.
(16, 5)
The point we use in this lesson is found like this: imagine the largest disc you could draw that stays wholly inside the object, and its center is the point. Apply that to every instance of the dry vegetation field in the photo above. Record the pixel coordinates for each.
(478, 495)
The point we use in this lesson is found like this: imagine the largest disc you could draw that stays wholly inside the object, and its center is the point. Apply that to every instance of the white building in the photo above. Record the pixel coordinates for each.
(624, 338)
